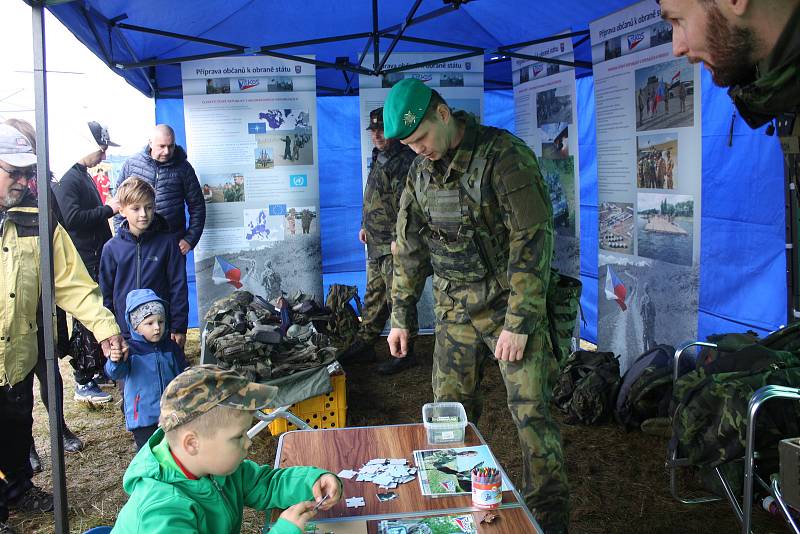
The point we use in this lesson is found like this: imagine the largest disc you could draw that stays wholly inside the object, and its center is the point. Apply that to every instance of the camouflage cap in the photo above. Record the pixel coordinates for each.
(198, 389)
(376, 119)
(405, 108)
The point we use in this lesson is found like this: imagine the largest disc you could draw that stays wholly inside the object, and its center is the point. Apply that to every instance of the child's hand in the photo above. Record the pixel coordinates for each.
(300, 513)
(115, 355)
(328, 485)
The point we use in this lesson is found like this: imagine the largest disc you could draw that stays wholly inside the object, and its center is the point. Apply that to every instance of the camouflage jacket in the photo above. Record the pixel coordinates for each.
(777, 91)
(482, 211)
(382, 196)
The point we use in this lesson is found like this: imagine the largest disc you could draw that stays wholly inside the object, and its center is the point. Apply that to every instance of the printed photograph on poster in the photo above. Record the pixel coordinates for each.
(616, 227)
(451, 79)
(663, 95)
(262, 225)
(665, 227)
(524, 74)
(613, 48)
(286, 119)
(660, 33)
(265, 158)
(216, 86)
(559, 175)
(656, 161)
(555, 140)
(228, 187)
(290, 147)
(388, 80)
(448, 471)
(553, 68)
(553, 105)
(441, 524)
(307, 217)
(279, 84)
(470, 105)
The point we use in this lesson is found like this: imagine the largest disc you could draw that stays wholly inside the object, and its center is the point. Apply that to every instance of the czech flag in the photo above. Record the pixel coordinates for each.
(659, 96)
(226, 273)
(615, 290)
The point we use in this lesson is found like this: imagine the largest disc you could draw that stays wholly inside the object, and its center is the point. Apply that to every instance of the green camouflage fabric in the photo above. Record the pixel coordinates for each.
(563, 304)
(343, 323)
(385, 184)
(777, 91)
(306, 216)
(710, 419)
(377, 304)
(587, 387)
(482, 219)
(198, 389)
(481, 212)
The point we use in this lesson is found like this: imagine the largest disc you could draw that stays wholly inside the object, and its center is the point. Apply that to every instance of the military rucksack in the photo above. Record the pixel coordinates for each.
(711, 402)
(343, 323)
(587, 386)
(646, 389)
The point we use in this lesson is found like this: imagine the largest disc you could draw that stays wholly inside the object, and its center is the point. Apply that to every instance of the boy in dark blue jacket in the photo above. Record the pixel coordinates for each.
(153, 361)
(144, 254)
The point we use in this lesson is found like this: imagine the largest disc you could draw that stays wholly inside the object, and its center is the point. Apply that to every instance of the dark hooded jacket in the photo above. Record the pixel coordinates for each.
(175, 183)
(151, 261)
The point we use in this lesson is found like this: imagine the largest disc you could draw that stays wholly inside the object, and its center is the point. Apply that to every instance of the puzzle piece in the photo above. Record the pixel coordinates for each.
(346, 474)
(355, 502)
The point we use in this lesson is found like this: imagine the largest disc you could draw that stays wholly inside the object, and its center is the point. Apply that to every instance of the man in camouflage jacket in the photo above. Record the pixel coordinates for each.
(476, 207)
(385, 184)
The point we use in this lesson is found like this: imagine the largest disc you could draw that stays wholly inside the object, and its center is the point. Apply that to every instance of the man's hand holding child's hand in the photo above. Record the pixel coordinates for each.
(328, 485)
(114, 348)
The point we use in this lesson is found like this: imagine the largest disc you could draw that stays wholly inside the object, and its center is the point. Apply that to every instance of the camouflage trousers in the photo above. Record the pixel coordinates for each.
(470, 318)
(377, 304)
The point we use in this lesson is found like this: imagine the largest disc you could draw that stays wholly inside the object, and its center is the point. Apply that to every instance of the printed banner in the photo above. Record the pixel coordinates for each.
(546, 113)
(459, 82)
(649, 183)
(251, 130)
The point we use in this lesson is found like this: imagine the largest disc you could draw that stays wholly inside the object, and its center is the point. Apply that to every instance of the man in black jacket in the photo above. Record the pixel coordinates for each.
(163, 165)
(86, 219)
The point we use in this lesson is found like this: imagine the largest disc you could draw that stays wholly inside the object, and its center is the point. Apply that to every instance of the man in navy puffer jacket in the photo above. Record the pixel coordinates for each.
(163, 165)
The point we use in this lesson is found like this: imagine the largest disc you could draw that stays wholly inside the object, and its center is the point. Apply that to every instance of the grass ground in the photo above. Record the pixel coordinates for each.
(618, 480)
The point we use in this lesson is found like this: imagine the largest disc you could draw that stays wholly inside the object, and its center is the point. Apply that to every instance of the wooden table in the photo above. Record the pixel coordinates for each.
(350, 448)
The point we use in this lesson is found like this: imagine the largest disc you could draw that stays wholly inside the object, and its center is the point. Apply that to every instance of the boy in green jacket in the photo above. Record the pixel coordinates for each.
(192, 475)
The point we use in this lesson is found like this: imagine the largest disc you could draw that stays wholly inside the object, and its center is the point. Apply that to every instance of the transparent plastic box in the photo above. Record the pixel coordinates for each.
(444, 422)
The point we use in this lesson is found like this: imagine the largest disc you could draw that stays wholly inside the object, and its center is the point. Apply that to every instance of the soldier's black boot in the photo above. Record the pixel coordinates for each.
(396, 365)
(359, 352)
(72, 443)
(36, 462)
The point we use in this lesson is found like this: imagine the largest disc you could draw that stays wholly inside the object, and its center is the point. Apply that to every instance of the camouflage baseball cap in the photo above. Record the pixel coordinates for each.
(198, 389)
(405, 108)
(376, 119)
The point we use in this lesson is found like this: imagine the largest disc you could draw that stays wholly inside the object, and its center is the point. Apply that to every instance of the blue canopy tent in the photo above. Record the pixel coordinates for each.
(743, 259)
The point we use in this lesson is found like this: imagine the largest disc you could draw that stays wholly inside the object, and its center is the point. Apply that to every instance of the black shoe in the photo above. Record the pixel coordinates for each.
(396, 365)
(72, 443)
(36, 462)
(33, 500)
(6, 528)
(360, 351)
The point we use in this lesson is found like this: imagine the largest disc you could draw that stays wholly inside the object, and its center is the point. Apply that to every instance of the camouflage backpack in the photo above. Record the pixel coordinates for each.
(646, 389)
(587, 386)
(343, 323)
(711, 402)
(563, 304)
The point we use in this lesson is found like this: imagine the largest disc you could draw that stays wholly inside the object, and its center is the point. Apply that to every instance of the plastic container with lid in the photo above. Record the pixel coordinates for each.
(444, 422)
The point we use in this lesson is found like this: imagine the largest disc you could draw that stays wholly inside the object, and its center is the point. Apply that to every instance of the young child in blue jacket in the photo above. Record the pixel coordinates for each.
(144, 254)
(154, 359)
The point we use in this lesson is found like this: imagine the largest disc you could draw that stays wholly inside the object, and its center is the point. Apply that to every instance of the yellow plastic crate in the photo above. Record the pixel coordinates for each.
(322, 411)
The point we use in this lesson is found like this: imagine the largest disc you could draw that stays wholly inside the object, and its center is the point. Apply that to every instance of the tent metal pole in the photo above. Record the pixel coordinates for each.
(174, 35)
(177, 60)
(431, 62)
(504, 48)
(375, 37)
(443, 44)
(389, 50)
(90, 23)
(365, 51)
(56, 409)
(584, 64)
(422, 18)
(321, 40)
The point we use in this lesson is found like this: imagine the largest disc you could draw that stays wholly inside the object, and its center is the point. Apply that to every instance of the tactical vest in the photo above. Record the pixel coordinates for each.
(465, 233)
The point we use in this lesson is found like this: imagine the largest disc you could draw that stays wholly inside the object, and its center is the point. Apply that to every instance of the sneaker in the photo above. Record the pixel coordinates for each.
(36, 462)
(6, 528)
(103, 381)
(396, 365)
(72, 443)
(33, 500)
(89, 392)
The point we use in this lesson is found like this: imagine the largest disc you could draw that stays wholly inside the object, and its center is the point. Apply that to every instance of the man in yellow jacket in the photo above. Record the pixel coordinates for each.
(20, 291)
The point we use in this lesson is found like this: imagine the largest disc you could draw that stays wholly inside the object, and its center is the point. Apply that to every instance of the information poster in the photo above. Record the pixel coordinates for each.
(545, 114)
(649, 183)
(251, 130)
(459, 82)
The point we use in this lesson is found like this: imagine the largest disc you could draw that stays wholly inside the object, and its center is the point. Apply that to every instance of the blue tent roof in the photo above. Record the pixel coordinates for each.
(115, 31)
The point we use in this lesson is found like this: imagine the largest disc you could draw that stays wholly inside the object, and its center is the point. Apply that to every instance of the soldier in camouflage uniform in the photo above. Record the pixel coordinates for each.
(385, 183)
(476, 207)
(306, 216)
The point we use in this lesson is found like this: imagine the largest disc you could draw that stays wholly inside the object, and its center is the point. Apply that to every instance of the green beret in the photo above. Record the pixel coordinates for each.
(404, 108)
